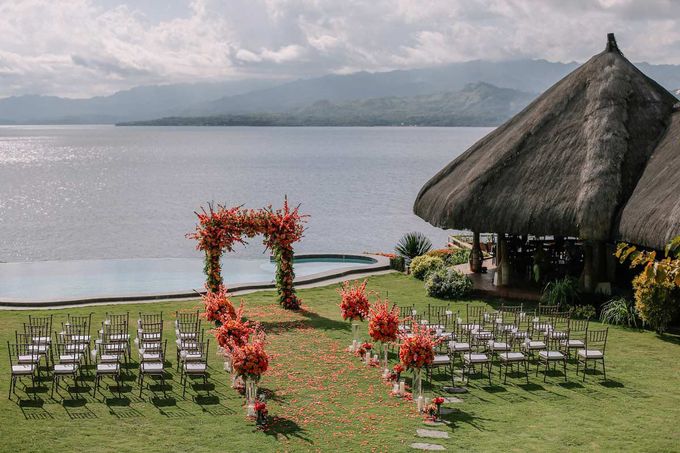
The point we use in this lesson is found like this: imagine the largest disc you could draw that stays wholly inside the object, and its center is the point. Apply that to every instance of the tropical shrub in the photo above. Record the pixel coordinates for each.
(619, 311)
(412, 245)
(448, 283)
(657, 287)
(583, 311)
(562, 292)
(452, 256)
(657, 303)
(422, 265)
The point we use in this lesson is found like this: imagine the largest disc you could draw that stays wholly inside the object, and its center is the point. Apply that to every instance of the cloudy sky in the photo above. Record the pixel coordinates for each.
(86, 47)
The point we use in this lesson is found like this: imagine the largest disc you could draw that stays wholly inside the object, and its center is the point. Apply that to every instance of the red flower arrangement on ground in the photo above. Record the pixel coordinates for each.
(251, 360)
(417, 348)
(354, 305)
(364, 349)
(383, 324)
(219, 229)
(218, 306)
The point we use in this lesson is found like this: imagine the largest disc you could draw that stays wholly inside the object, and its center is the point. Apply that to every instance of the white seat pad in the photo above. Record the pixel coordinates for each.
(441, 360)
(535, 345)
(196, 367)
(70, 358)
(500, 346)
(28, 358)
(572, 343)
(23, 369)
(551, 355)
(591, 354)
(511, 356)
(151, 367)
(111, 368)
(476, 358)
(455, 346)
(65, 368)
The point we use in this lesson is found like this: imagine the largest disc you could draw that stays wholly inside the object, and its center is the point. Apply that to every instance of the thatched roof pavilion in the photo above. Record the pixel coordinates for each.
(568, 163)
(651, 217)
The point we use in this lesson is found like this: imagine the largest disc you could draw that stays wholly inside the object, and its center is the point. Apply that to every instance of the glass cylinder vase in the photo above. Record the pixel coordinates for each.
(251, 394)
(417, 383)
(355, 333)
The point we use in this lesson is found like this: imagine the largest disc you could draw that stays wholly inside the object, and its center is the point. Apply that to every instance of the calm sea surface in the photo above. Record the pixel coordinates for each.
(97, 192)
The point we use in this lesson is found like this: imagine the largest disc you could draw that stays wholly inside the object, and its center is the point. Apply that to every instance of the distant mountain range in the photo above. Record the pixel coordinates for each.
(479, 104)
(405, 96)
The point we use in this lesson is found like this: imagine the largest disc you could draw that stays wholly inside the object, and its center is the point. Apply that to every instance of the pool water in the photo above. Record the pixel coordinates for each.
(64, 280)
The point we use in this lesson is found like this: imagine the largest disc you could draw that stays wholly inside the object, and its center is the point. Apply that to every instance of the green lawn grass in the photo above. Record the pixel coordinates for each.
(323, 399)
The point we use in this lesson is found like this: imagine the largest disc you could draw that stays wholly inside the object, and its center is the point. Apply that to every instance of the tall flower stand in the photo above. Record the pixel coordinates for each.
(251, 394)
(418, 389)
(355, 336)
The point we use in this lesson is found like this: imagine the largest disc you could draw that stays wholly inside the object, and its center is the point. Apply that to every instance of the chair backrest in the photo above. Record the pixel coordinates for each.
(560, 320)
(597, 339)
(509, 313)
(37, 331)
(149, 318)
(436, 311)
(475, 314)
(45, 321)
(546, 310)
(84, 321)
(111, 330)
(578, 326)
(188, 326)
(117, 318)
(186, 316)
(105, 348)
(72, 333)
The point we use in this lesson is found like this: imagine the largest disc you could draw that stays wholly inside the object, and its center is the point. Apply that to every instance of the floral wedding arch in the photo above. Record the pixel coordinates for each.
(219, 228)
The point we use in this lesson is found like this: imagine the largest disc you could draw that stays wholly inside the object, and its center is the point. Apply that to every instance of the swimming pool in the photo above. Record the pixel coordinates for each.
(138, 279)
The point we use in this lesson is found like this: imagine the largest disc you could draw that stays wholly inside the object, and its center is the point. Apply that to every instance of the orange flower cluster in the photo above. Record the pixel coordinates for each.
(354, 305)
(217, 305)
(417, 348)
(384, 322)
(250, 360)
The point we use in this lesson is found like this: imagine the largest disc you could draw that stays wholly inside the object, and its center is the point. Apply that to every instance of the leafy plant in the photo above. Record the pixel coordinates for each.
(562, 292)
(583, 311)
(412, 245)
(657, 287)
(619, 311)
(422, 265)
(448, 283)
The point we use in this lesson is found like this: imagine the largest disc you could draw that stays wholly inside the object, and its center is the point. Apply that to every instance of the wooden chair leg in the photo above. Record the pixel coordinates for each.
(604, 370)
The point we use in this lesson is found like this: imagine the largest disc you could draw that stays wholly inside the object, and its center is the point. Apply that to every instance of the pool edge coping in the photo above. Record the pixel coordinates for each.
(381, 264)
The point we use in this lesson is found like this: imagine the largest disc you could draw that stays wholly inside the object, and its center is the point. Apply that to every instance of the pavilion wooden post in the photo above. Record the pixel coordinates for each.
(476, 256)
(502, 264)
(588, 278)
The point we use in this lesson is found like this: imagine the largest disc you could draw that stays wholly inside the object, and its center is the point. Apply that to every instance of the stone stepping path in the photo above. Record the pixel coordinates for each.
(428, 447)
(432, 433)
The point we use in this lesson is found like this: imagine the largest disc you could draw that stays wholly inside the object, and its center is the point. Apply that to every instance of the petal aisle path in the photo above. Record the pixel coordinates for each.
(315, 385)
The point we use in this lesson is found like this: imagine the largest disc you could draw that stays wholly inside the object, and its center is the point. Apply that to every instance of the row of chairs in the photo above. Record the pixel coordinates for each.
(511, 336)
(69, 351)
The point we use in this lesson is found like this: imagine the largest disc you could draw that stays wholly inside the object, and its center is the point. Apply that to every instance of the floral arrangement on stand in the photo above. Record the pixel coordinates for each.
(383, 326)
(250, 362)
(434, 410)
(218, 229)
(363, 349)
(415, 353)
(354, 307)
(396, 371)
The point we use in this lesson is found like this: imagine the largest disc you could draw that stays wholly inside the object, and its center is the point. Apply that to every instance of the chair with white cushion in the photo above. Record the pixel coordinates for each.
(595, 344)
(551, 356)
(108, 364)
(21, 369)
(576, 336)
(67, 365)
(154, 367)
(472, 360)
(197, 367)
(507, 358)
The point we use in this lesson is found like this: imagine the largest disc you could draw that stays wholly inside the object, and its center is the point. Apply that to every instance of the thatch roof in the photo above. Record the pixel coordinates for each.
(565, 165)
(652, 215)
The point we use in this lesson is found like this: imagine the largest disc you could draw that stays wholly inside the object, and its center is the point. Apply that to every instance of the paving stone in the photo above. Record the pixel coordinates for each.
(452, 399)
(432, 433)
(428, 447)
(447, 410)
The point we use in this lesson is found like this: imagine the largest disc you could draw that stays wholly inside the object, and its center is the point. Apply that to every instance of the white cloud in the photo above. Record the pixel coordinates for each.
(86, 47)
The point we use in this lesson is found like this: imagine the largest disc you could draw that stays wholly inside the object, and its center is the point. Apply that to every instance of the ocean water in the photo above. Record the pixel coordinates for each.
(102, 192)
